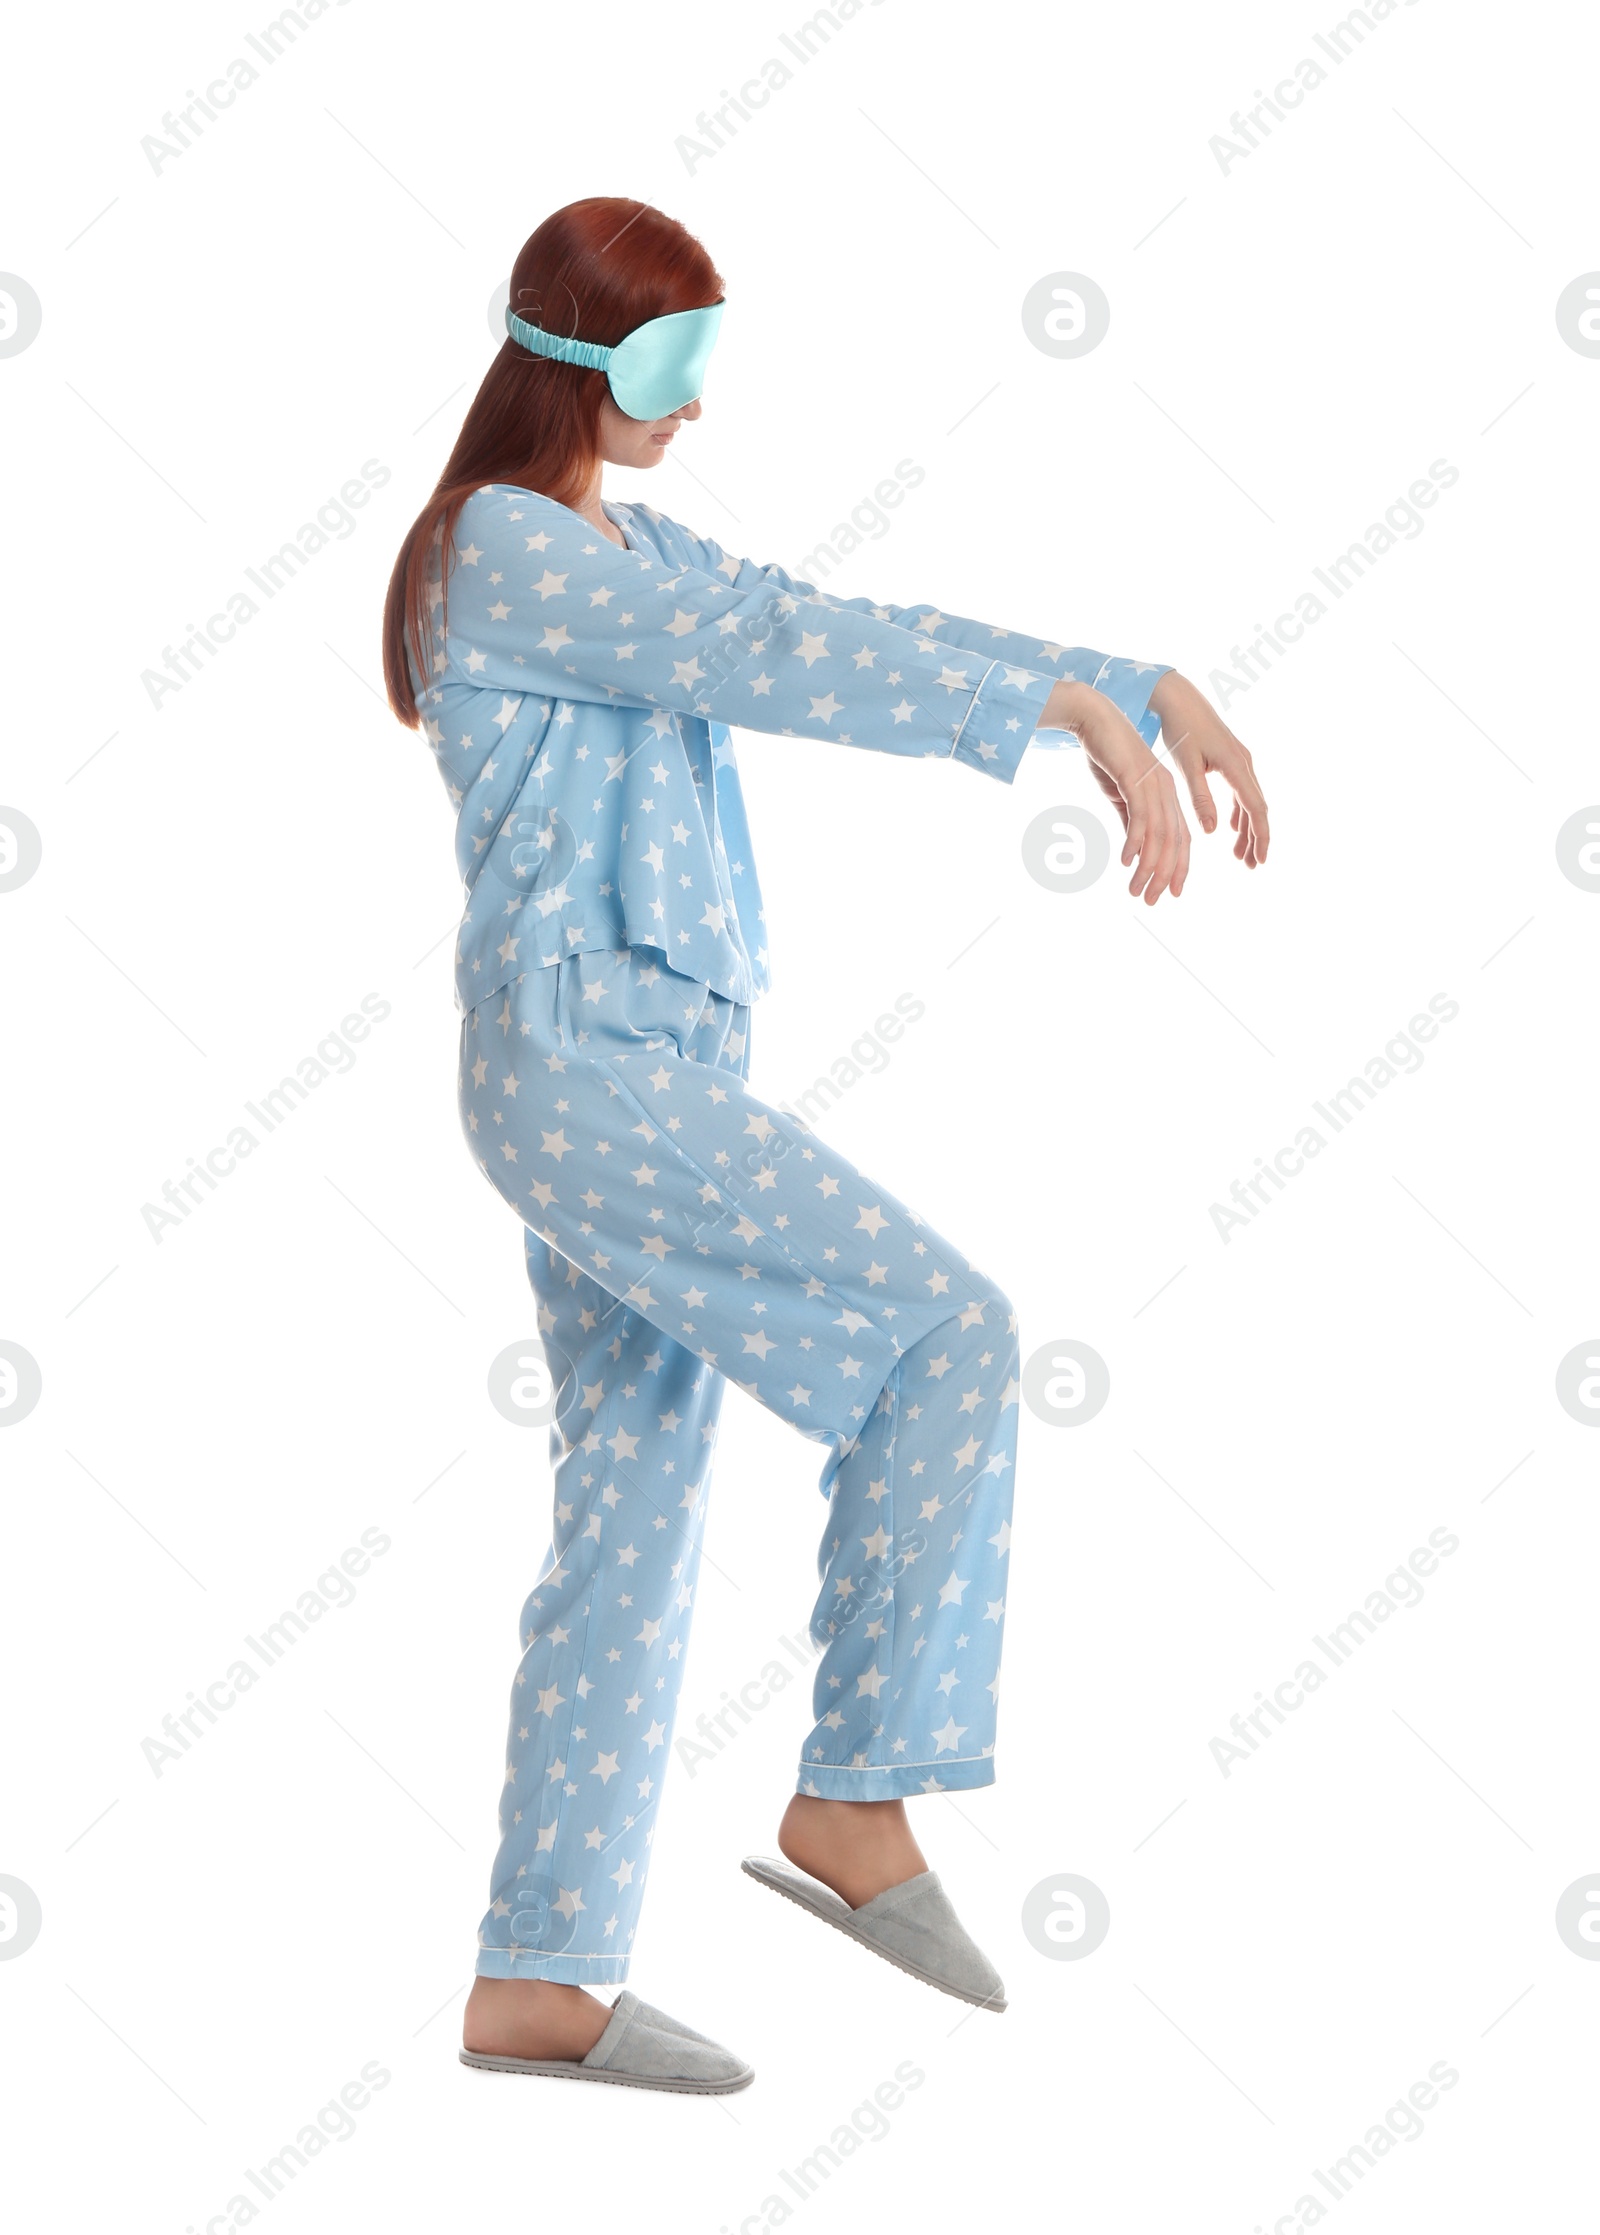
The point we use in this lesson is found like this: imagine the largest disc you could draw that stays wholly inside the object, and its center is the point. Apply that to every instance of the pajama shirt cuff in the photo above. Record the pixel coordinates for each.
(1005, 708)
(895, 1780)
(1128, 684)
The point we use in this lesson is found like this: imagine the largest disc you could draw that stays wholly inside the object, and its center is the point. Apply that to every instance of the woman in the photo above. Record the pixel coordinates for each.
(574, 667)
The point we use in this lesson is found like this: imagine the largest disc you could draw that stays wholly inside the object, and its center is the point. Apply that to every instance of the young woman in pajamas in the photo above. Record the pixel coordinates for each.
(575, 668)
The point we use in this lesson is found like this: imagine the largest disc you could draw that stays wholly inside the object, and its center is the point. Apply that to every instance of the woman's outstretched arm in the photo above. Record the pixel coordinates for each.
(539, 600)
(1127, 683)
(1153, 698)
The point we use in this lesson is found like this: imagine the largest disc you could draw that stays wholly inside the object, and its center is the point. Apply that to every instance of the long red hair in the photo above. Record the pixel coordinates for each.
(595, 269)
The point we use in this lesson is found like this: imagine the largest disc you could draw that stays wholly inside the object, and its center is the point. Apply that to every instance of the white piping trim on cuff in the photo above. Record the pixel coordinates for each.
(967, 716)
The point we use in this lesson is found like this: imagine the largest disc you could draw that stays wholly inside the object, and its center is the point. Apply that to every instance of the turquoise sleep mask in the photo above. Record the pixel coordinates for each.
(652, 371)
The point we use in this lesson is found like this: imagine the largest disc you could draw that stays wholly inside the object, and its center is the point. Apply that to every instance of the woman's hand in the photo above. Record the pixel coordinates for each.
(1199, 741)
(1135, 782)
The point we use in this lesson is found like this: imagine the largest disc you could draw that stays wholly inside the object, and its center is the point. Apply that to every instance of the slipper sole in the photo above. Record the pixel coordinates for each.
(562, 2068)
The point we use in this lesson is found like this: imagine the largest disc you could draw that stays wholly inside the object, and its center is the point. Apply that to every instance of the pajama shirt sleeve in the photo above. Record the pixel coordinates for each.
(539, 600)
(1127, 683)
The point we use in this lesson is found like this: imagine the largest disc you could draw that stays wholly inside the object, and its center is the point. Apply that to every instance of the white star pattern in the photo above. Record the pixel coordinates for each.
(681, 1234)
(909, 1366)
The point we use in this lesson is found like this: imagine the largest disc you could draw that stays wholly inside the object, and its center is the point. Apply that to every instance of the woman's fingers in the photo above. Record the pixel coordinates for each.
(1248, 843)
(1248, 796)
(1256, 808)
(1180, 875)
(1156, 834)
(1164, 854)
(1201, 745)
(1249, 802)
(1175, 863)
(1144, 830)
(1193, 763)
(1229, 759)
(1137, 821)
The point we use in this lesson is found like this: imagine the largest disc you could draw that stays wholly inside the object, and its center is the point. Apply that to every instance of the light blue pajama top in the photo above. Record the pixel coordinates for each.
(579, 711)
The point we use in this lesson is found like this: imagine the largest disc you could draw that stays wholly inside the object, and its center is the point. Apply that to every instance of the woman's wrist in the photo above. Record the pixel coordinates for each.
(1070, 706)
(1169, 692)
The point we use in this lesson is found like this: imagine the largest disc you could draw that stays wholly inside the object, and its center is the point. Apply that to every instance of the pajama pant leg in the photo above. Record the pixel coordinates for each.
(682, 1234)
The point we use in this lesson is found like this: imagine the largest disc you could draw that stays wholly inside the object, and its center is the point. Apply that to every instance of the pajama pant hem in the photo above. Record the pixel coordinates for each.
(894, 1780)
(564, 1971)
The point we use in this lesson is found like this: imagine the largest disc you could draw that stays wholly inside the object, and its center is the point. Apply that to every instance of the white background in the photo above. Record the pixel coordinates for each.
(223, 1412)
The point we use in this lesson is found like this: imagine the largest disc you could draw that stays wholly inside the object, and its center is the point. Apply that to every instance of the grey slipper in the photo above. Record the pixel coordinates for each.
(911, 1924)
(641, 2047)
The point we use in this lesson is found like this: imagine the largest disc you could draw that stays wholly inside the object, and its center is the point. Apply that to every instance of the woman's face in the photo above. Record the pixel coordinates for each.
(638, 442)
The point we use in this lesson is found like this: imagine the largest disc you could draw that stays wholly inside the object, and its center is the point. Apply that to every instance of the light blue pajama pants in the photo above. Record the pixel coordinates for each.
(682, 1234)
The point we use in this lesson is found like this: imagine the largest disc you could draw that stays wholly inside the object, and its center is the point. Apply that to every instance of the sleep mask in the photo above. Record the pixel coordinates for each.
(654, 370)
